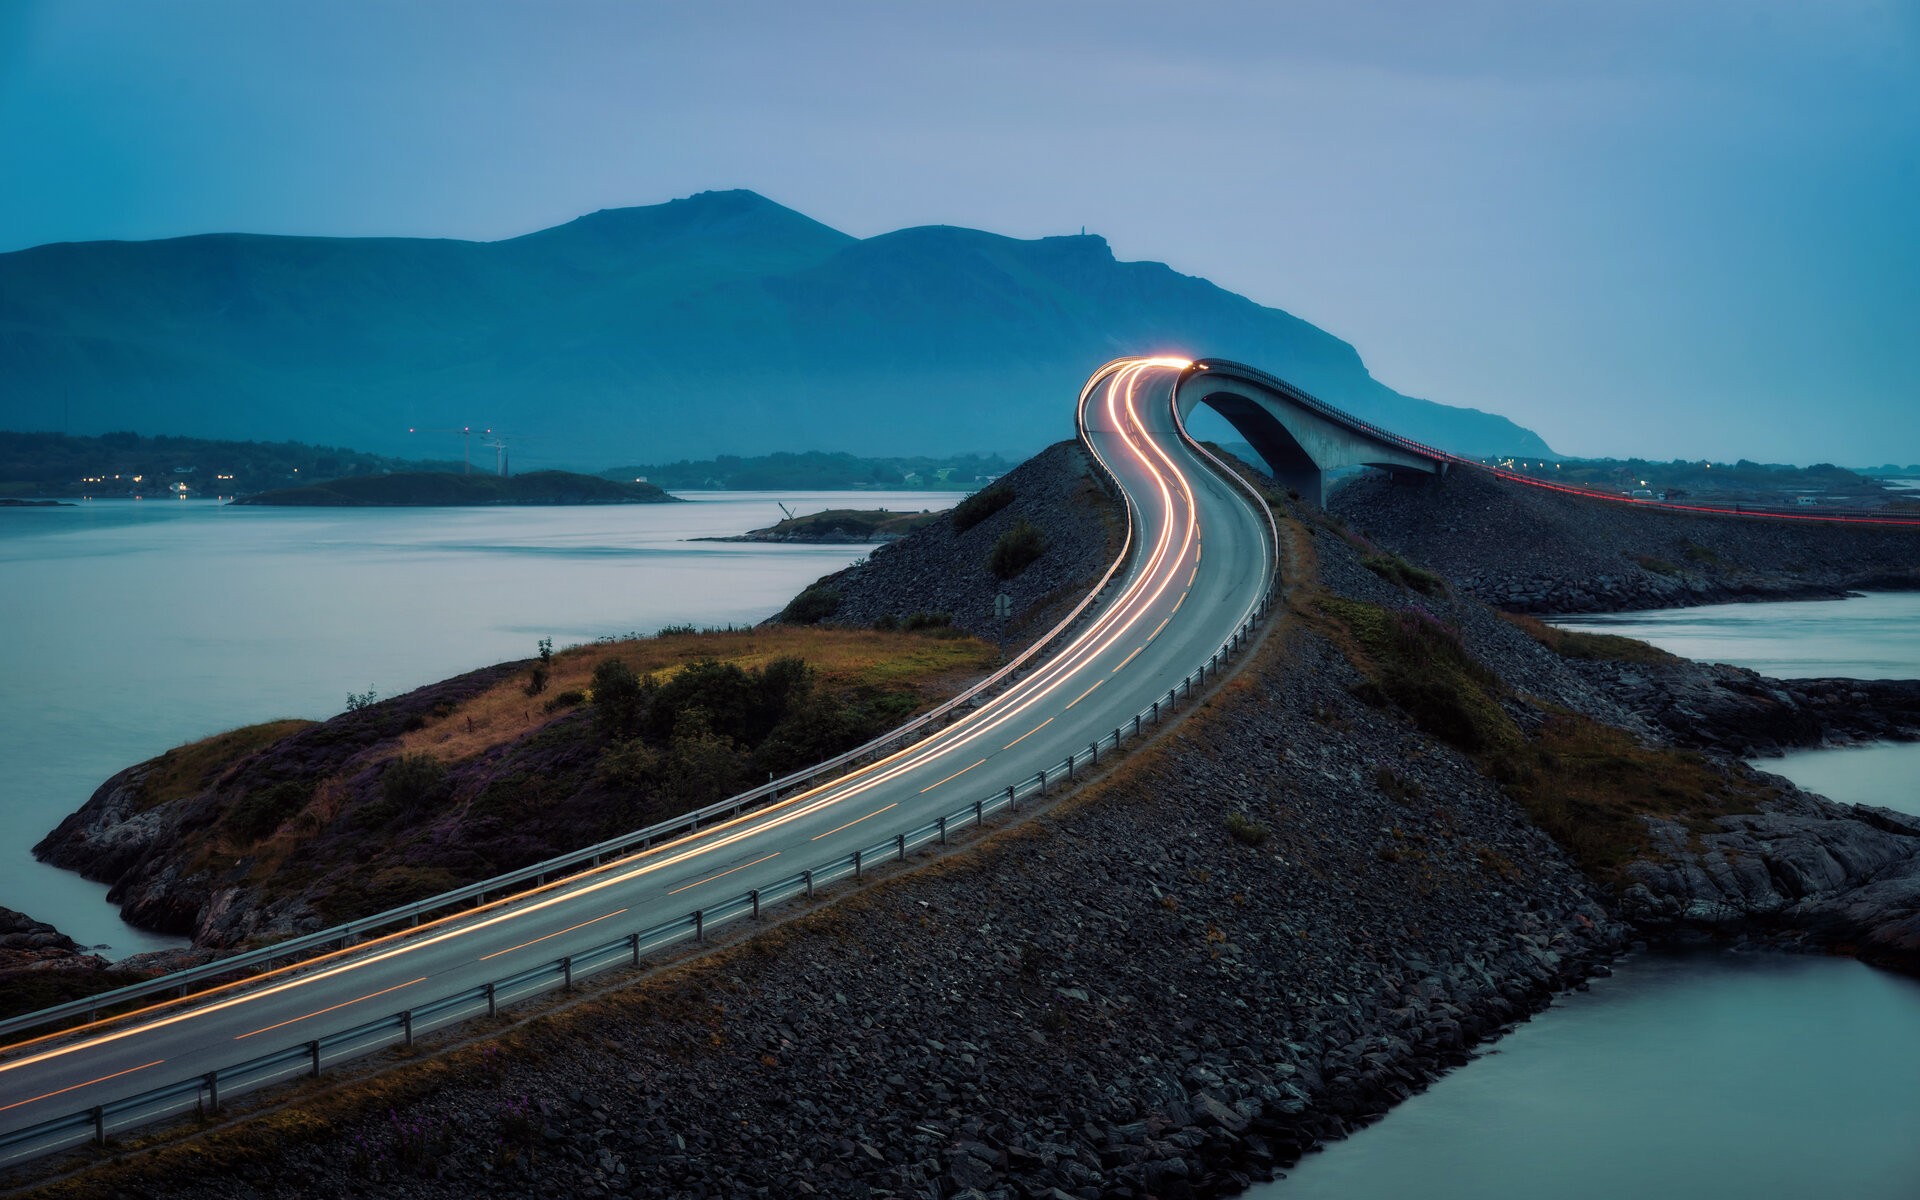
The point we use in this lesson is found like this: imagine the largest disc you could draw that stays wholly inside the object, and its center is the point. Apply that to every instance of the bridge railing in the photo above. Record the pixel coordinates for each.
(205, 1094)
(248, 964)
(1311, 402)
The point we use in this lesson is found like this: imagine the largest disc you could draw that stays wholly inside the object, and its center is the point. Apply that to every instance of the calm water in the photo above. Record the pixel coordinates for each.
(1749, 1075)
(1873, 636)
(1700, 1075)
(134, 626)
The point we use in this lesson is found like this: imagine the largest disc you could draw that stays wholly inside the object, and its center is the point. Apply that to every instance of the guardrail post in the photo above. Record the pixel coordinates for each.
(313, 1051)
(633, 944)
(943, 831)
(213, 1092)
(566, 981)
(900, 841)
(1156, 712)
(99, 1125)
(856, 864)
(808, 876)
(755, 894)
(1043, 781)
(1013, 801)
(1136, 724)
(1093, 752)
(980, 812)
(406, 1029)
(1070, 759)
(699, 924)
(493, 1002)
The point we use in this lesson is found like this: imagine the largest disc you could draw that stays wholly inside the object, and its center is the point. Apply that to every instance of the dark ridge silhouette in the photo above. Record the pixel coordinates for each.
(719, 323)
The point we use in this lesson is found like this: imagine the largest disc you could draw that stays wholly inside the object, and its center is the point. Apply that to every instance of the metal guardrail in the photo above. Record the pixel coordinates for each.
(205, 1094)
(539, 874)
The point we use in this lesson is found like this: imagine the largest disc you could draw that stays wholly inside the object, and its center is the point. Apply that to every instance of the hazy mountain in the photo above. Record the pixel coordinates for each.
(719, 323)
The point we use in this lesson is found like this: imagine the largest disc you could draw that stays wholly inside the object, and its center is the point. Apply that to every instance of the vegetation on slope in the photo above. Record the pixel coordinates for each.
(843, 525)
(398, 799)
(1587, 784)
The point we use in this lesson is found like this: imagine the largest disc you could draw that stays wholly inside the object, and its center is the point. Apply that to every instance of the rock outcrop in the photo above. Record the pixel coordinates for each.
(943, 571)
(1527, 549)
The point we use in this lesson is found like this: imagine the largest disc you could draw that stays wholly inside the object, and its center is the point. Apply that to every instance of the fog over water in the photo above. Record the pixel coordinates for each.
(135, 626)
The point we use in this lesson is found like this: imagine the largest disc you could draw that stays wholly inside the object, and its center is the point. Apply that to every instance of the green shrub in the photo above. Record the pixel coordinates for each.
(410, 779)
(1016, 549)
(811, 606)
(628, 765)
(260, 812)
(981, 505)
(1245, 830)
(1397, 787)
(566, 699)
(1400, 572)
(1420, 666)
(916, 622)
(618, 699)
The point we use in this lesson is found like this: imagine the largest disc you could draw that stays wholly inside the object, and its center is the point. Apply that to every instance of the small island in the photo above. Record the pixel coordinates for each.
(448, 489)
(838, 526)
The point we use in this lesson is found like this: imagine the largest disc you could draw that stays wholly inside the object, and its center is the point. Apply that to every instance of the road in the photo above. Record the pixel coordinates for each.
(1201, 564)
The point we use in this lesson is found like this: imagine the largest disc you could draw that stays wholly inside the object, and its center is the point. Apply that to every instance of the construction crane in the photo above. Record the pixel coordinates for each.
(466, 433)
(499, 447)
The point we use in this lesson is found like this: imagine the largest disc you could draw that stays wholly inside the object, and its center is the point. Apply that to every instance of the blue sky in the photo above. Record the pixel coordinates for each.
(1658, 228)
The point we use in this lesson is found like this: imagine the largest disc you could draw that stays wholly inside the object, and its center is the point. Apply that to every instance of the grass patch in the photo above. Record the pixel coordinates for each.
(981, 505)
(1704, 556)
(1397, 787)
(932, 663)
(1016, 549)
(1418, 665)
(1659, 566)
(1589, 785)
(1401, 573)
(186, 770)
(1245, 830)
(1593, 647)
(864, 524)
(810, 607)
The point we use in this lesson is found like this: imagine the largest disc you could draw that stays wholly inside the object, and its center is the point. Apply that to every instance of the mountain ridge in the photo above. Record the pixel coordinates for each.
(722, 322)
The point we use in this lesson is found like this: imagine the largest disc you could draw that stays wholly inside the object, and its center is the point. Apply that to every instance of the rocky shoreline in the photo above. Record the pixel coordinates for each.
(1258, 934)
(1529, 550)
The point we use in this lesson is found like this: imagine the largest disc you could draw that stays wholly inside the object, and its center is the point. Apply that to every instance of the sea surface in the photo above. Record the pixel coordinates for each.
(1762, 1076)
(1703, 1074)
(134, 626)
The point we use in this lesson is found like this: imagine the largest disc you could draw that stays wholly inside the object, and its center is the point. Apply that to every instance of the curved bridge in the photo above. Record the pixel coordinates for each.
(1300, 438)
(1195, 576)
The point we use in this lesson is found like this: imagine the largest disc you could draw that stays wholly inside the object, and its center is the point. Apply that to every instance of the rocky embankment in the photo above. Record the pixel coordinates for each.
(943, 572)
(1257, 935)
(1527, 549)
(1283, 917)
